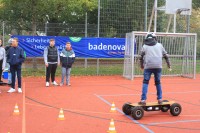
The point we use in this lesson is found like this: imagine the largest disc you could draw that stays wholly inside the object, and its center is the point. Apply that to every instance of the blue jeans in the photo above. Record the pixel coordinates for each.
(66, 72)
(147, 75)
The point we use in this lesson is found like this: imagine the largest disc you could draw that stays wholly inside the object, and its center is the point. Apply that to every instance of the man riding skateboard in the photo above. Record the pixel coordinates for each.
(151, 56)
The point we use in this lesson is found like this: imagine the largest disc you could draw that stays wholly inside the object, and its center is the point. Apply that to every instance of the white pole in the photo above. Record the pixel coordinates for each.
(169, 22)
(86, 34)
(86, 24)
(155, 17)
(175, 23)
(145, 19)
(151, 19)
(46, 28)
(98, 26)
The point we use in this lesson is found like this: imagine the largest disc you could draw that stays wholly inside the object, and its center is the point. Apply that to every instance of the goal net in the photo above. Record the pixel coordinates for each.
(181, 48)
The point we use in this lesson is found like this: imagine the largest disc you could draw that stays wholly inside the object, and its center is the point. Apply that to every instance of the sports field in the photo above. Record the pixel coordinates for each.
(87, 105)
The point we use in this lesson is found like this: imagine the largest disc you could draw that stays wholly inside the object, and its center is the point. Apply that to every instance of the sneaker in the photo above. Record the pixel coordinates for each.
(61, 84)
(160, 101)
(68, 84)
(54, 83)
(19, 90)
(47, 84)
(142, 102)
(11, 90)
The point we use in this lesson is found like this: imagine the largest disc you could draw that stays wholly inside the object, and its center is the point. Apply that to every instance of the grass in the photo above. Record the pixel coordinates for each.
(104, 69)
(77, 71)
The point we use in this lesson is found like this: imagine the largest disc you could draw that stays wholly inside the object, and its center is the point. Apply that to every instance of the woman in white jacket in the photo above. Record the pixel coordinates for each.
(2, 60)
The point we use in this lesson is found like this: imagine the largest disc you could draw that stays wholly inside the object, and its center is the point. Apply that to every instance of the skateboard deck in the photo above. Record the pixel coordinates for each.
(153, 103)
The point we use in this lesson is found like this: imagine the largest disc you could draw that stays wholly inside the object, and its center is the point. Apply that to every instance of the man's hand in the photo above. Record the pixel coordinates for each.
(46, 64)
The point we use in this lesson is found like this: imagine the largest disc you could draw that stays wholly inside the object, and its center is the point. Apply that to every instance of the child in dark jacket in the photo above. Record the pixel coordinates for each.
(67, 58)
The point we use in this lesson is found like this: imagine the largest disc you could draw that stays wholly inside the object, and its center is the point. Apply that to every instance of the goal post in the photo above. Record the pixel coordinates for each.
(181, 48)
(129, 56)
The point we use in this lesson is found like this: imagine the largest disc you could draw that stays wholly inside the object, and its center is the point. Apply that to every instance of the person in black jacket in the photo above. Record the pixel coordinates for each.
(67, 58)
(15, 58)
(52, 60)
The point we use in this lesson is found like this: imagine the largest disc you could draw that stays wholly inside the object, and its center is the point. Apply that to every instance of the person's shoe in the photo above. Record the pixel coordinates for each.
(54, 83)
(11, 90)
(69, 84)
(61, 84)
(160, 101)
(19, 90)
(47, 84)
(142, 102)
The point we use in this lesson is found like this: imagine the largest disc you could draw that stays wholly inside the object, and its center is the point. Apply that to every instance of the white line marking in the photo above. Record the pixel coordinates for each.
(183, 121)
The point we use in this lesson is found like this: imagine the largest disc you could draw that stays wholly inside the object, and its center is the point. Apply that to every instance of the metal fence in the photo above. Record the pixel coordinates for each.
(82, 66)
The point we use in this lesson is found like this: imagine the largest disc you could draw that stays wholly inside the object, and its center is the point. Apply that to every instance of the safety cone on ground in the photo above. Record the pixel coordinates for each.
(112, 127)
(61, 115)
(113, 108)
(16, 110)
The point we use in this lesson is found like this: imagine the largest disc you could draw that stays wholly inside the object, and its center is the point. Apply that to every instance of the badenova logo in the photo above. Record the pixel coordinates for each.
(105, 47)
(75, 39)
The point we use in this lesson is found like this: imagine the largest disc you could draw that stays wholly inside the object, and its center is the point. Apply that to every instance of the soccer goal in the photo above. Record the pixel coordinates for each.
(181, 48)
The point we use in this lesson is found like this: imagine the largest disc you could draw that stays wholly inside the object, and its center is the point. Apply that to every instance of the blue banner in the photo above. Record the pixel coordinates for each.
(83, 47)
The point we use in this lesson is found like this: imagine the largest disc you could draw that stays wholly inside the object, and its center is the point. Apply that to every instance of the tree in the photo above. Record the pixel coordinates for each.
(23, 13)
(195, 4)
(195, 26)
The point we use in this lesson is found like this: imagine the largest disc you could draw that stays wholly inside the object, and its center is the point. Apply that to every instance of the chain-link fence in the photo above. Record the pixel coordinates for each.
(115, 18)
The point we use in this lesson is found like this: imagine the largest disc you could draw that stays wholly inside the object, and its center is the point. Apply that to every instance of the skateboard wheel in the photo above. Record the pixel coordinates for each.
(175, 109)
(165, 108)
(126, 108)
(137, 112)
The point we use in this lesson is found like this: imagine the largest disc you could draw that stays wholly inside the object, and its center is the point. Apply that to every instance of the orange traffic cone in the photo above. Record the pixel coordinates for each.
(61, 115)
(113, 108)
(16, 110)
(112, 127)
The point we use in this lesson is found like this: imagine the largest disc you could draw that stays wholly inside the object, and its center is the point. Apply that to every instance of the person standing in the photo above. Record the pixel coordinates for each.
(15, 58)
(7, 64)
(151, 61)
(67, 58)
(2, 59)
(52, 60)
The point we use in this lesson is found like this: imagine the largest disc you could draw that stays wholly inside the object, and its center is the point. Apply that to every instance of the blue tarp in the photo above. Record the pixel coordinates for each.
(83, 47)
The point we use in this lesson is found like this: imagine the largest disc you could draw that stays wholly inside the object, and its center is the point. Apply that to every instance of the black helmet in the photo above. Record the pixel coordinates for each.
(150, 35)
